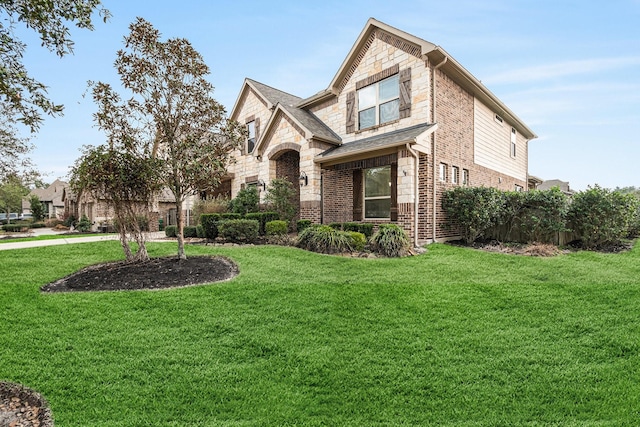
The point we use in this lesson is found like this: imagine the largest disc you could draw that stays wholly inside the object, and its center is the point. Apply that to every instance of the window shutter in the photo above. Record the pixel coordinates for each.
(394, 192)
(357, 195)
(405, 93)
(257, 127)
(351, 112)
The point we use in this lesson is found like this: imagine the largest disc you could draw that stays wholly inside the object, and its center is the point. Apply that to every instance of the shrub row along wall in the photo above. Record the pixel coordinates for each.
(597, 216)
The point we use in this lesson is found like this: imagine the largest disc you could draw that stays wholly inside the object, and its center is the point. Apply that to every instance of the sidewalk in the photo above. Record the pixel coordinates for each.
(155, 236)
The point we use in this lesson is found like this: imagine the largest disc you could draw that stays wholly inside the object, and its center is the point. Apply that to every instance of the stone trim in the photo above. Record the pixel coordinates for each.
(356, 62)
(378, 76)
(281, 148)
(399, 43)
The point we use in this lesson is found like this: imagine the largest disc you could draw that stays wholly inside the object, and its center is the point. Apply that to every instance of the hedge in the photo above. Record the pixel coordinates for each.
(239, 230)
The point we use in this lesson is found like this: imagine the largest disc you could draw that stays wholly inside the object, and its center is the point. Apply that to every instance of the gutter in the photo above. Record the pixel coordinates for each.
(416, 193)
(435, 138)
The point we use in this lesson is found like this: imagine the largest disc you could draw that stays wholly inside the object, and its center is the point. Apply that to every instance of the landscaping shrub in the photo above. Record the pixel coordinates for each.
(171, 231)
(282, 198)
(601, 217)
(336, 225)
(263, 218)
(390, 240)
(361, 227)
(200, 231)
(14, 227)
(302, 224)
(542, 214)
(70, 221)
(324, 239)
(219, 204)
(247, 200)
(84, 224)
(358, 240)
(189, 231)
(277, 228)
(230, 215)
(239, 230)
(209, 223)
(37, 225)
(473, 209)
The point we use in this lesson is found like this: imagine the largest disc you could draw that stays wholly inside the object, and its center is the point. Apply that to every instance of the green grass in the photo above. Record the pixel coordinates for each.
(453, 337)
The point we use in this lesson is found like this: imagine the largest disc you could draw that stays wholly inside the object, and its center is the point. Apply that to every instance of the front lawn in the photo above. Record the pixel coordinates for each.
(452, 337)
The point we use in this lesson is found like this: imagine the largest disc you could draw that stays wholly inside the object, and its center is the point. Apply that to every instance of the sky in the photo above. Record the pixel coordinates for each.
(570, 69)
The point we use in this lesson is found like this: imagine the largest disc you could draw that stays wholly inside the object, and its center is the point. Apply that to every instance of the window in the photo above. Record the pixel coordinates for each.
(443, 172)
(514, 134)
(455, 175)
(377, 192)
(465, 177)
(251, 136)
(519, 188)
(379, 103)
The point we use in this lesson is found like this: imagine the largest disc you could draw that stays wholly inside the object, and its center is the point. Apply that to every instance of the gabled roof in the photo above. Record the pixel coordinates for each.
(53, 193)
(280, 102)
(269, 95)
(411, 135)
(437, 56)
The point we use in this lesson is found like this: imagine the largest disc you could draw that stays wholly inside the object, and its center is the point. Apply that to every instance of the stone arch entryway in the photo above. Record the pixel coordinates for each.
(287, 166)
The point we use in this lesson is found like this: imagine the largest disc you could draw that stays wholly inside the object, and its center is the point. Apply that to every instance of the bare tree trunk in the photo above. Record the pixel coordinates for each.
(180, 233)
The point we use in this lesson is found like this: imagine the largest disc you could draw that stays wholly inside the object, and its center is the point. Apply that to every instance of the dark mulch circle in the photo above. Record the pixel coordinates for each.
(21, 406)
(157, 273)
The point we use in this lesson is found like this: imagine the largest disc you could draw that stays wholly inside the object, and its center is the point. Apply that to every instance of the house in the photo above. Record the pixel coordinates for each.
(101, 215)
(50, 197)
(551, 183)
(401, 122)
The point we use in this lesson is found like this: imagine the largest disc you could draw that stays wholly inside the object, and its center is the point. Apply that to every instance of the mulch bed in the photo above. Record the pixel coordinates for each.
(158, 273)
(23, 407)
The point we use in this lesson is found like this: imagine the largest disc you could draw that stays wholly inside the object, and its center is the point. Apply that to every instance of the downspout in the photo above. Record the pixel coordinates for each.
(435, 138)
(416, 189)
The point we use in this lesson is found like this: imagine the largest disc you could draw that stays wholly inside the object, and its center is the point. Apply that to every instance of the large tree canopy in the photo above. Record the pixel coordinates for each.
(21, 95)
(23, 99)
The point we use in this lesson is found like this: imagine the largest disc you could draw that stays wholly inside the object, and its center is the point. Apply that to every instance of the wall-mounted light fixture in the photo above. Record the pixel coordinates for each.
(262, 185)
(303, 179)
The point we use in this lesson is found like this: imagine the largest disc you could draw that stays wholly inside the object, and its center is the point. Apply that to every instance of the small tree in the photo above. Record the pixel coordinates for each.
(12, 190)
(246, 201)
(281, 197)
(37, 208)
(172, 114)
(126, 182)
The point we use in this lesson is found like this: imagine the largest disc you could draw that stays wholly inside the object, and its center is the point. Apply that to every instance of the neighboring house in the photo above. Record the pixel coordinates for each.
(101, 214)
(50, 197)
(401, 122)
(551, 183)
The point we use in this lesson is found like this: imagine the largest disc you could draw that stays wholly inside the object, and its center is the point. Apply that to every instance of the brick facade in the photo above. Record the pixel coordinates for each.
(434, 92)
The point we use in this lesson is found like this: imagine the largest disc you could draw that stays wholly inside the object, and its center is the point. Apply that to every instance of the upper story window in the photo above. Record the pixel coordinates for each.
(465, 177)
(514, 135)
(377, 192)
(379, 103)
(251, 136)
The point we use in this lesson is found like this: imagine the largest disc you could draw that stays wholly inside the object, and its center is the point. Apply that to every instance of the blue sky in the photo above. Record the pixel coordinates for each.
(569, 69)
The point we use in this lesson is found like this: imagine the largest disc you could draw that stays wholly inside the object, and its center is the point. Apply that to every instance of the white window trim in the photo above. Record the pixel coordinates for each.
(455, 175)
(249, 135)
(513, 146)
(443, 172)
